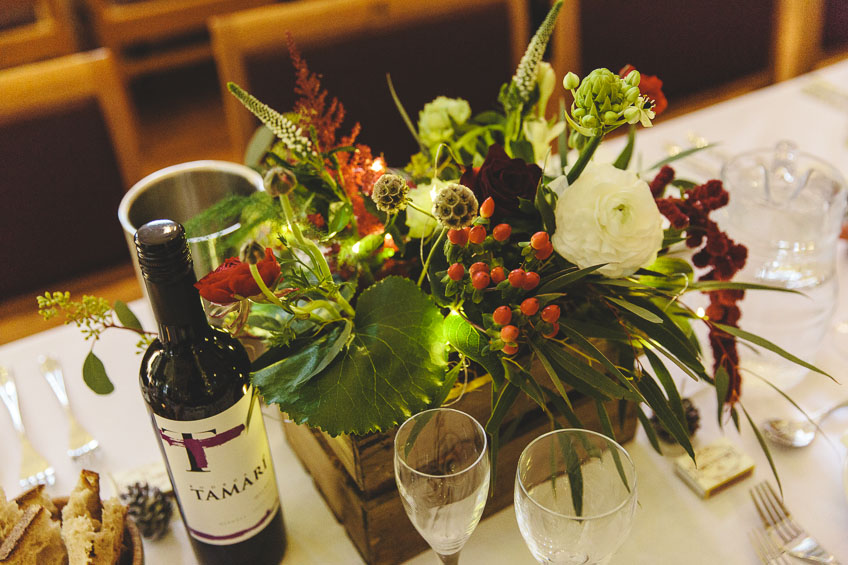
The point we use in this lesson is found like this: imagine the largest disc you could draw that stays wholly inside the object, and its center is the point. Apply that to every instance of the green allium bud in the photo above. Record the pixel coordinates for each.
(603, 102)
(633, 78)
(631, 115)
(455, 206)
(389, 193)
(570, 81)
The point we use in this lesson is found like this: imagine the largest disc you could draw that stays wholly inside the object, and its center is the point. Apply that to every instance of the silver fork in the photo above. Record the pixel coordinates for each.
(80, 441)
(766, 549)
(34, 468)
(793, 539)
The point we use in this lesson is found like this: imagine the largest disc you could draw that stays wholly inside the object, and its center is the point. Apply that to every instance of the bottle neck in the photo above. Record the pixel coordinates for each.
(178, 310)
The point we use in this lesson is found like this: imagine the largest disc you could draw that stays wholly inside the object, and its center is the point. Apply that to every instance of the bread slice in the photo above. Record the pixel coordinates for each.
(93, 531)
(10, 515)
(85, 498)
(35, 540)
(37, 497)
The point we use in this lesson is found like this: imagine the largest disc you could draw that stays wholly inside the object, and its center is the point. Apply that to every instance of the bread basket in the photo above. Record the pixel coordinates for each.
(132, 552)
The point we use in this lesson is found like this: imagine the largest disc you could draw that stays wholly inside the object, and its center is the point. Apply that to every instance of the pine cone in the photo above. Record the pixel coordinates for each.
(150, 508)
(693, 418)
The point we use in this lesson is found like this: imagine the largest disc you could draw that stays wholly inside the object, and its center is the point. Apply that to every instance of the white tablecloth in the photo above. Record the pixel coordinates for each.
(672, 525)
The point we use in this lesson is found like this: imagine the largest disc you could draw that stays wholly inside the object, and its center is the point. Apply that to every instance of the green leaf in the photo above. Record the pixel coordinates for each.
(667, 382)
(606, 427)
(764, 343)
(523, 150)
(763, 446)
(394, 366)
(126, 316)
(651, 391)
(680, 155)
(638, 310)
(649, 430)
(584, 378)
(565, 278)
(546, 204)
(94, 375)
(340, 214)
(469, 341)
(722, 384)
(562, 142)
(706, 286)
(599, 356)
(624, 157)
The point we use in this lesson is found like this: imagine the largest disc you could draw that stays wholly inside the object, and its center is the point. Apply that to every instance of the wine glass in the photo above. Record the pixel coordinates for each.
(442, 474)
(575, 493)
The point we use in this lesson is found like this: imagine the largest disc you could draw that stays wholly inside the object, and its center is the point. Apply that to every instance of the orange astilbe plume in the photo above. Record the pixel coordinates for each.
(354, 171)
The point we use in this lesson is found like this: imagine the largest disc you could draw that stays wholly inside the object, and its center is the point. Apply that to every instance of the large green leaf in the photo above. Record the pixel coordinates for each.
(94, 375)
(126, 316)
(472, 343)
(394, 366)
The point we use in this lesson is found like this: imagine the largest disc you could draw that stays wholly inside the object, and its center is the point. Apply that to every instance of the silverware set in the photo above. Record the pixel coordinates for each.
(781, 538)
(35, 469)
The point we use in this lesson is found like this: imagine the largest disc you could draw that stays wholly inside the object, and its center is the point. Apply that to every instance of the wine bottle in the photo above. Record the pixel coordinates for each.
(195, 380)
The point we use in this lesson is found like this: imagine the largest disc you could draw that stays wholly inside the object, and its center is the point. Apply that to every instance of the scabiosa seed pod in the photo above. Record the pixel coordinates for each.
(389, 193)
(455, 206)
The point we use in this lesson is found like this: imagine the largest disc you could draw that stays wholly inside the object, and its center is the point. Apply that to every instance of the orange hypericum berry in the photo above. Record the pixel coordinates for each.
(477, 267)
(509, 333)
(550, 313)
(501, 232)
(477, 234)
(530, 306)
(510, 349)
(498, 275)
(552, 333)
(516, 277)
(458, 237)
(456, 271)
(502, 315)
(539, 240)
(545, 252)
(531, 281)
(480, 280)
(487, 208)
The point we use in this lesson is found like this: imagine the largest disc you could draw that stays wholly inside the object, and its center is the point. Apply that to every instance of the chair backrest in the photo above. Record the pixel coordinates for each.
(33, 30)
(68, 152)
(438, 47)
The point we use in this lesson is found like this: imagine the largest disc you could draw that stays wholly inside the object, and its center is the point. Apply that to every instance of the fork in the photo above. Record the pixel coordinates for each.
(766, 549)
(80, 441)
(778, 522)
(34, 468)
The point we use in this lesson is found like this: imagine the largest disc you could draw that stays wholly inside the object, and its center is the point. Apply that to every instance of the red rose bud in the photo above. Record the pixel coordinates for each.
(477, 234)
(510, 349)
(498, 275)
(540, 240)
(456, 272)
(480, 280)
(509, 334)
(458, 237)
(487, 208)
(502, 315)
(501, 232)
(550, 313)
(545, 252)
(232, 280)
(478, 267)
(530, 306)
(516, 277)
(531, 281)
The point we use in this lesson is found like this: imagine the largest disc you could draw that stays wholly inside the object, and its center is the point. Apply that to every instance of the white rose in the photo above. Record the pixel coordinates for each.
(608, 216)
(421, 225)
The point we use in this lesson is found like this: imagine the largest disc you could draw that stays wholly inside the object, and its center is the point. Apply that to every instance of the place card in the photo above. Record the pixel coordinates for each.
(154, 474)
(719, 465)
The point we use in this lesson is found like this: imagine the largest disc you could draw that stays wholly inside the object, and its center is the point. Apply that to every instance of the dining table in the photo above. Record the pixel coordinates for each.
(672, 524)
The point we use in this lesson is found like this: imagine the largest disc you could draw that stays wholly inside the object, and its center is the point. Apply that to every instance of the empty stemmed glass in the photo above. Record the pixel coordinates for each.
(442, 474)
(575, 493)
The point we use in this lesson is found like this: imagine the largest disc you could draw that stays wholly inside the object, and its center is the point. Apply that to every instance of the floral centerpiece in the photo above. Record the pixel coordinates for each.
(380, 293)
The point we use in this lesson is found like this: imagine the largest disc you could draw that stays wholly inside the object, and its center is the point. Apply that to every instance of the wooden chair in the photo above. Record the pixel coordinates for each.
(67, 155)
(148, 35)
(438, 47)
(33, 30)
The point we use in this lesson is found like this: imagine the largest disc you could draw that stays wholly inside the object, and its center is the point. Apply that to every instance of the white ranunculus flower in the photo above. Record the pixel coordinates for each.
(422, 225)
(608, 216)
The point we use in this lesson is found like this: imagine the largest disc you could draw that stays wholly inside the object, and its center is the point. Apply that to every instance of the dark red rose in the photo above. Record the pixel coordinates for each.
(232, 280)
(651, 87)
(503, 179)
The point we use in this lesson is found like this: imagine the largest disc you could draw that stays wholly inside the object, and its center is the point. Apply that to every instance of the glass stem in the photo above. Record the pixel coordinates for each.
(452, 559)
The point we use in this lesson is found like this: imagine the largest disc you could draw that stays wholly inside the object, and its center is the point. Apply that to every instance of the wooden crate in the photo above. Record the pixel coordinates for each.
(355, 474)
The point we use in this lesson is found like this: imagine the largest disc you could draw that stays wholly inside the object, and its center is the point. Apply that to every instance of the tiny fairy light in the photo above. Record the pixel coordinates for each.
(700, 312)
(378, 165)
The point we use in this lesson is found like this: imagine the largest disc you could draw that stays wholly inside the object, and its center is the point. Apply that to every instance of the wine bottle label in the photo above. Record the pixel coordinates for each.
(222, 473)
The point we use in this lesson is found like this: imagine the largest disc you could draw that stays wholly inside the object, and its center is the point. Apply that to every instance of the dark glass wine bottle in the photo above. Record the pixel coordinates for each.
(195, 380)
